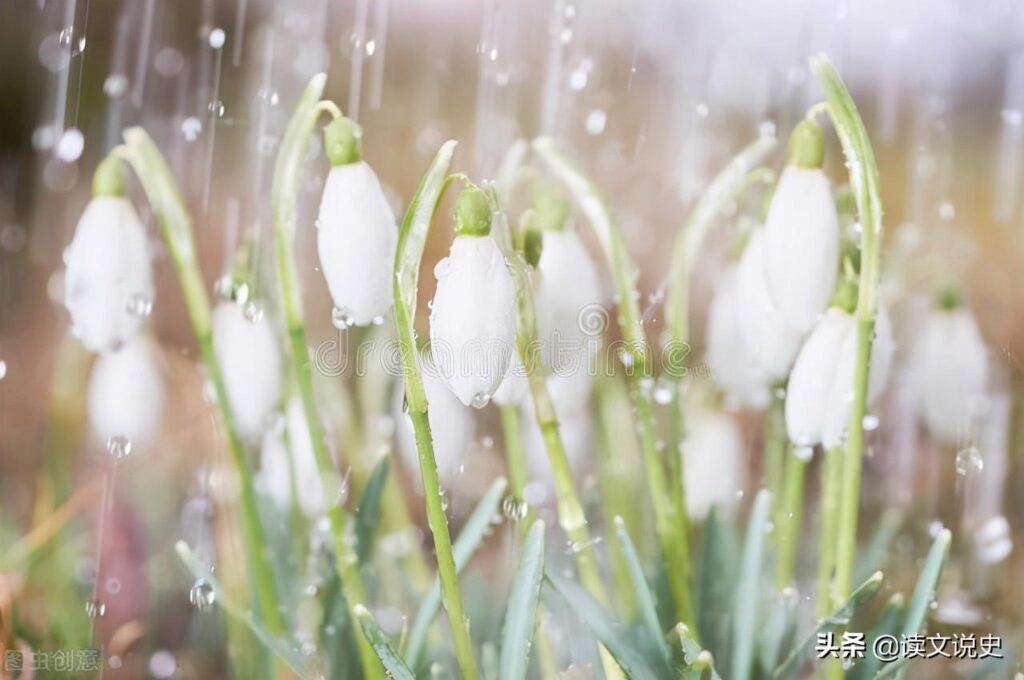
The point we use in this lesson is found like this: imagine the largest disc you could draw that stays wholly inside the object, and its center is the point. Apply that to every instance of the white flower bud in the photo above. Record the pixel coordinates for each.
(516, 384)
(951, 371)
(732, 366)
(250, 362)
(714, 465)
(356, 240)
(770, 339)
(109, 276)
(575, 425)
(473, 319)
(568, 293)
(126, 394)
(801, 246)
(275, 476)
(452, 426)
(820, 392)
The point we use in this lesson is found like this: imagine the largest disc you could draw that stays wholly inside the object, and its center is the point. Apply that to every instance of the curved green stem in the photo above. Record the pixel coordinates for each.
(411, 240)
(670, 521)
(788, 520)
(176, 228)
(860, 159)
(284, 192)
(831, 481)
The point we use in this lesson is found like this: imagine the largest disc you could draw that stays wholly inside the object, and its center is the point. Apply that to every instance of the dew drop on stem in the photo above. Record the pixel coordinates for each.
(94, 609)
(202, 596)
(119, 447)
(969, 461)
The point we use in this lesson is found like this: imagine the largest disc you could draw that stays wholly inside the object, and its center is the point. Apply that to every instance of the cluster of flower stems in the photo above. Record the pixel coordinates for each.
(662, 463)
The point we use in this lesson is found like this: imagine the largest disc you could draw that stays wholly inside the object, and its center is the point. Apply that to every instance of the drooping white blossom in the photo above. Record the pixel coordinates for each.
(250, 362)
(516, 384)
(356, 240)
(950, 372)
(732, 365)
(714, 465)
(769, 338)
(802, 233)
(820, 392)
(276, 469)
(473, 314)
(126, 395)
(108, 282)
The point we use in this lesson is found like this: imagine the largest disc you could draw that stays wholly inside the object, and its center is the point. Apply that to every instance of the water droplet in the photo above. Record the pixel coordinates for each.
(626, 358)
(269, 95)
(202, 595)
(566, 36)
(371, 47)
(803, 453)
(596, 121)
(115, 85)
(191, 127)
(578, 79)
(216, 107)
(444, 499)
(341, 318)
(119, 447)
(140, 305)
(663, 392)
(113, 585)
(442, 268)
(969, 461)
(513, 508)
(70, 146)
(947, 211)
(217, 38)
(3, 369)
(253, 312)
(168, 62)
(480, 399)
(66, 35)
(702, 110)
(870, 423)
(95, 609)
(162, 664)
(377, 321)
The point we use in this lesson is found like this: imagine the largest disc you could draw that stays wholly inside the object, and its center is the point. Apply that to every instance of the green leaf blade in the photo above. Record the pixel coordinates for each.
(521, 617)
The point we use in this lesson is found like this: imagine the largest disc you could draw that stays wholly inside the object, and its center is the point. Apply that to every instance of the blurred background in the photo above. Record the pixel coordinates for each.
(652, 97)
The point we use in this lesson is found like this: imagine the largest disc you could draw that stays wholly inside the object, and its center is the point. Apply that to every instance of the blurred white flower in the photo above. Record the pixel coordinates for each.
(714, 465)
(820, 391)
(452, 426)
(356, 240)
(108, 283)
(126, 394)
(473, 316)
(770, 339)
(732, 365)
(950, 371)
(275, 476)
(568, 292)
(575, 424)
(802, 233)
(250, 362)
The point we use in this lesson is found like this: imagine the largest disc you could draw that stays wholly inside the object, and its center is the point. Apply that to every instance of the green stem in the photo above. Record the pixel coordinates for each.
(411, 241)
(831, 481)
(860, 159)
(284, 192)
(176, 228)
(775, 451)
(515, 457)
(788, 523)
(670, 525)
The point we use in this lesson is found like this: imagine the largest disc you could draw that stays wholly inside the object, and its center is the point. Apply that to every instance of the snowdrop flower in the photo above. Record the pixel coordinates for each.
(770, 339)
(473, 317)
(820, 392)
(452, 426)
(108, 283)
(356, 231)
(951, 369)
(516, 384)
(249, 359)
(276, 469)
(802, 233)
(714, 468)
(732, 365)
(126, 396)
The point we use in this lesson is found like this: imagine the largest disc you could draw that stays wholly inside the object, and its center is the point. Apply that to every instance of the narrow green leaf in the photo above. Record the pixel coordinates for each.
(473, 533)
(872, 557)
(610, 634)
(864, 593)
(924, 590)
(720, 555)
(290, 657)
(368, 513)
(644, 599)
(699, 662)
(748, 591)
(777, 632)
(889, 623)
(521, 616)
(393, 664)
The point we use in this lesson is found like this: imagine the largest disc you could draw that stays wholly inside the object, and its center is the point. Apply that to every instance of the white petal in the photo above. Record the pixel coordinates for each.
(452, 426)
(473, 319)
(126, 394)
(274, 478)
(250, 362)
(307, 473)
(714, 466)
(802, 246)
(568, 303)
(356, 240)
(810, 386)
(732, 366)
(515, 385)
(951, 363)
(770, 339)
(108, 266)
(575, 426)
